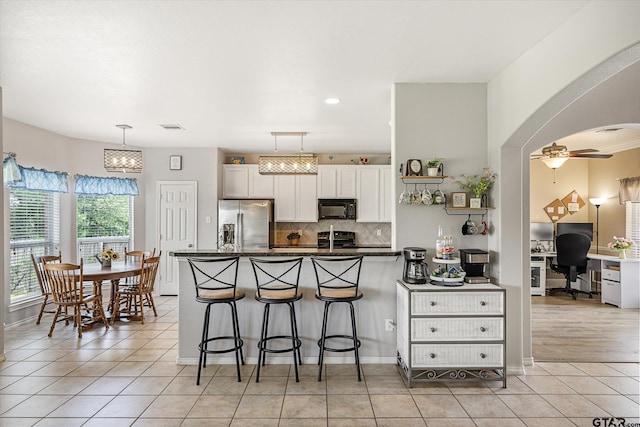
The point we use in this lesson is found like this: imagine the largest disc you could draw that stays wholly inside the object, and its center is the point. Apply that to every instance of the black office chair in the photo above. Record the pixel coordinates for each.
(571, 260)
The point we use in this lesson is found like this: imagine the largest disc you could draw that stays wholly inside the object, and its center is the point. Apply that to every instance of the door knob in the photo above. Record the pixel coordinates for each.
(189, 245)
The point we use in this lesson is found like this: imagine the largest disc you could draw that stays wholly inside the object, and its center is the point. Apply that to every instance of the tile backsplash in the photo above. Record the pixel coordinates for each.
(366, 232)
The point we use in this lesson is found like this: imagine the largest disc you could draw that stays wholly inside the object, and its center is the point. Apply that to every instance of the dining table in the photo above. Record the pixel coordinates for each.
(98, 274)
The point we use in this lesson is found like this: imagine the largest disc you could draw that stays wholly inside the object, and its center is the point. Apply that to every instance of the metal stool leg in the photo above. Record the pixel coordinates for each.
(262, 342)
(294, 339)
(322, 340)
(356, 342)
(203, 342)
(236, 335)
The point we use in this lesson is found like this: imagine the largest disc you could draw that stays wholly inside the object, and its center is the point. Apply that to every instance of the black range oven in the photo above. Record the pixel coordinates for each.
(341, 240)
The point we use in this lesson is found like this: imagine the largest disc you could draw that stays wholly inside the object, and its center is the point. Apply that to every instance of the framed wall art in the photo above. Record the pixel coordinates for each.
(459, 200)
(175, 163)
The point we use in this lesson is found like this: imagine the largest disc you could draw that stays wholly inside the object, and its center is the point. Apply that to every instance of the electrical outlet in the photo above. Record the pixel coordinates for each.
(207, 219)
(389, 325)
(378, 233)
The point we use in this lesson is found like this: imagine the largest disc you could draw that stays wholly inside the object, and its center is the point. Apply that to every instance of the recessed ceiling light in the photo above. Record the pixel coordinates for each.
(332, 100)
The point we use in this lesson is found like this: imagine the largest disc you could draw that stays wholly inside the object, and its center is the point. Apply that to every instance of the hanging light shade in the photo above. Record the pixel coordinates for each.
(289, 164)
(123, 160)
(11, 174)
(554, 162)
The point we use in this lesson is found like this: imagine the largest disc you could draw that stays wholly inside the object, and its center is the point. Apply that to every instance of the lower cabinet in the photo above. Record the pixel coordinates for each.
(451, 332)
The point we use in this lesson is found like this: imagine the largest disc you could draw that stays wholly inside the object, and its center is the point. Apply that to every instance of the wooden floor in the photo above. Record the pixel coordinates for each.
(583, 330)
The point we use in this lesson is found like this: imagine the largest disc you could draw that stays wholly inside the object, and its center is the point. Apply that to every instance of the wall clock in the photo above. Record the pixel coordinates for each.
(414, 167)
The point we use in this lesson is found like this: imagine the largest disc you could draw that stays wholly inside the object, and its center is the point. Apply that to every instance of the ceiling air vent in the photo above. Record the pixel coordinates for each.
(170, 126)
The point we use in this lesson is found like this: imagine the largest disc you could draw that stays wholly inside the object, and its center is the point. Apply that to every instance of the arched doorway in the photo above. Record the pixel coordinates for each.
(607, 94)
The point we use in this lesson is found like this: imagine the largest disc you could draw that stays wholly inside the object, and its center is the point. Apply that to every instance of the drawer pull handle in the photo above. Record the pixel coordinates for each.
(483, 329)
(432, 355)
(433, 329)
(432, 303)
(482, 355)
(483, 303)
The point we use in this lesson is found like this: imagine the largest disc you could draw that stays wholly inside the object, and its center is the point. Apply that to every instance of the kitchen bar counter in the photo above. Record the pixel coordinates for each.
(286, 251)
(381, 268)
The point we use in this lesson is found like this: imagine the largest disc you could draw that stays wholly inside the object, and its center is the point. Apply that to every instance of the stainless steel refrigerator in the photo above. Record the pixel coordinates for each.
(245, 224)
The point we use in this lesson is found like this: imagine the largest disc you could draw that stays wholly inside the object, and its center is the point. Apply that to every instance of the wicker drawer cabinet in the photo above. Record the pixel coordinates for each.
(451, 332)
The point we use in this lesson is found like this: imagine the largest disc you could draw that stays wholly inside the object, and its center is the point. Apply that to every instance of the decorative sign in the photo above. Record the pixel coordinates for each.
(555, 210)
(573, 202)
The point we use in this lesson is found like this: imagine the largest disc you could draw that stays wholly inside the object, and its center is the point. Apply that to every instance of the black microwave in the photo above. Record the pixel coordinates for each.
(336, 208)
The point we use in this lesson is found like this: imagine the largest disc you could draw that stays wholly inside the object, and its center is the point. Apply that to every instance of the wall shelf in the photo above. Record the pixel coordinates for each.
(466, 211)
(423, 179)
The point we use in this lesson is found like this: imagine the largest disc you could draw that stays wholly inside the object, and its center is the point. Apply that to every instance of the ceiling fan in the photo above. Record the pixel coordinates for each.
(555, 155)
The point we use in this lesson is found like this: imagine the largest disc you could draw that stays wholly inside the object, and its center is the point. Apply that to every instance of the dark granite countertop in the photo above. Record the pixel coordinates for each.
(287, 251)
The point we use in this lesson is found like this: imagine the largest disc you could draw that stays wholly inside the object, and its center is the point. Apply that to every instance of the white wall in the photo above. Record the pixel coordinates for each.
(447, 121)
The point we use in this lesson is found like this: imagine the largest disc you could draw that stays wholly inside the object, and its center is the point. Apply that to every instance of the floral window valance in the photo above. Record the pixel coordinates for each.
(42, 180)
(630, 190)
(101, 186)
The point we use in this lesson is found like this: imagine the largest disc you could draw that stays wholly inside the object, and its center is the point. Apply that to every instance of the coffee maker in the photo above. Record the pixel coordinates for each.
(415, 269)
(473, 262)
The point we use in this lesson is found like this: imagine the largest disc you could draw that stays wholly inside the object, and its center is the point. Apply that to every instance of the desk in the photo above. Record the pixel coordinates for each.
(539, 272)
(96, 273)
(620, 280)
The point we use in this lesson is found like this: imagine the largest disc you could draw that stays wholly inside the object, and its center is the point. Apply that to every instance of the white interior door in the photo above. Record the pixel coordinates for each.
(177, 222)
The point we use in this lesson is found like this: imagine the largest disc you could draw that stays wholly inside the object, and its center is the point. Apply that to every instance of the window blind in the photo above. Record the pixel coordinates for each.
(103, 222)
(34, 227)
(632, 229)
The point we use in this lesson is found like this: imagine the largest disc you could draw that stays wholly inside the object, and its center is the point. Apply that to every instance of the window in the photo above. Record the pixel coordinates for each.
(103, 222)
(34, 227)
(632, 231)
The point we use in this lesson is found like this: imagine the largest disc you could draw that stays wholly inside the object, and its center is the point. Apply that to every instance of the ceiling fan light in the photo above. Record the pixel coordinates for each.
(554, 162)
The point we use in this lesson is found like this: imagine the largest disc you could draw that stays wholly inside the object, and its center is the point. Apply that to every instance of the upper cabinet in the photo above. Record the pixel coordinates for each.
(245, 182)
(373, 191)
(336, 181)
(296, 198)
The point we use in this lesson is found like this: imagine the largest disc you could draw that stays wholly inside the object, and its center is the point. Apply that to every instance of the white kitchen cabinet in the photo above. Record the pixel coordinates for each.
(296, 198)
(235, 181)
(386, 200)
(245, 182)
(336, 181)
(260, 186)
(373, 191)
(451, 332)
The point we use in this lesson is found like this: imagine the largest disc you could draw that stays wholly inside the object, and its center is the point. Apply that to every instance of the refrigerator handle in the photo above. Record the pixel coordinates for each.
(239, 236)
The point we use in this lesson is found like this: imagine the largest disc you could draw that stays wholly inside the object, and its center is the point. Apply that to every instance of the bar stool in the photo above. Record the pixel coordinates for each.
(277, 283)
(337, 279)
(215, 282)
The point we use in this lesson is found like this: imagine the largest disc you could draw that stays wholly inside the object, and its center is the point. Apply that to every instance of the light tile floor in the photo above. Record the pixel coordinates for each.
(128, 376)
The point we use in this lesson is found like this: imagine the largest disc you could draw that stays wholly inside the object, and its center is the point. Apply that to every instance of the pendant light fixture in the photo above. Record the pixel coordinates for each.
(123, 160)
(289, 164)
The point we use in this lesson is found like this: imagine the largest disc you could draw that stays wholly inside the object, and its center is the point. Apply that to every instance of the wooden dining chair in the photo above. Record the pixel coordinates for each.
(134, 256)
(45, 289)
(67, 290)
(138, 292)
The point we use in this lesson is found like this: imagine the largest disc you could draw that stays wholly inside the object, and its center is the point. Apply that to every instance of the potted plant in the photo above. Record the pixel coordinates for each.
(479, 185)
(433, 167)
(293, 238)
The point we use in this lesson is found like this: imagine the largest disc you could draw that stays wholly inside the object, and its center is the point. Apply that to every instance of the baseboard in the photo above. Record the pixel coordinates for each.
(274, 360)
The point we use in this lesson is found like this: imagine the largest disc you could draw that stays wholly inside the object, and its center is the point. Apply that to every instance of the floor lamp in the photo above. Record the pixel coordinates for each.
(597, 201)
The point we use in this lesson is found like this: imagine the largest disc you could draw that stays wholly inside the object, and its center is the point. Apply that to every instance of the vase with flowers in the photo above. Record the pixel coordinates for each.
(621, 245)
(107, 256)
(479, 185)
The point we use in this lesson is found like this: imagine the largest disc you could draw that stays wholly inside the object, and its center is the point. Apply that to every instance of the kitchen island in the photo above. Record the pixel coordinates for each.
(381, 268)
